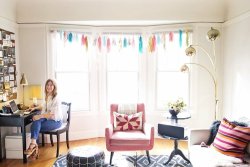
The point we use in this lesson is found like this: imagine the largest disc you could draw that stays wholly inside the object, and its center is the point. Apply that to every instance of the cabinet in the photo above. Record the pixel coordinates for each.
(14, 145)
(8, 81)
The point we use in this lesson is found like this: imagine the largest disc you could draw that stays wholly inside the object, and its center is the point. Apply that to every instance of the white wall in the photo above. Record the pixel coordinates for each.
(236, 88)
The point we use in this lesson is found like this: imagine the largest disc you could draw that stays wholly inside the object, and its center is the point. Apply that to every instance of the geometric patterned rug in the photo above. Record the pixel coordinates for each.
(129, 161)
(158, 161)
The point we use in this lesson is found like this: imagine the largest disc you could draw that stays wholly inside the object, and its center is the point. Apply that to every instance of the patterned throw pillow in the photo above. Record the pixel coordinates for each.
(124, 122)
(231, 139)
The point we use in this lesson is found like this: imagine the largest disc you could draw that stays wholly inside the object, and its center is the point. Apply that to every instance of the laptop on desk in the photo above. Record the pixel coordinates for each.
(14, 108)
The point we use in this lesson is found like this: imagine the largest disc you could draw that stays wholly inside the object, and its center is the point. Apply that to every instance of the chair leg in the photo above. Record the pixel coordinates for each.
(111, 156)
(58, 144)
(51, 140)
(43, 139)
(67, 138)
(147, 152)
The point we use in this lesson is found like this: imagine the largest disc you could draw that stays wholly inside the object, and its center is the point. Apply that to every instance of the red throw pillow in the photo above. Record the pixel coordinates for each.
(231, 139)
(124, 122)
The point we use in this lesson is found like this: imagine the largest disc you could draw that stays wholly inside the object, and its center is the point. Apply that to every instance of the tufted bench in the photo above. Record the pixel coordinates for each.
(85, 156)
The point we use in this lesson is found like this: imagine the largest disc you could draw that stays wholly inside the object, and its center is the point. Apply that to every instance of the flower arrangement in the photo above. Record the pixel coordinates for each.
(177, 105)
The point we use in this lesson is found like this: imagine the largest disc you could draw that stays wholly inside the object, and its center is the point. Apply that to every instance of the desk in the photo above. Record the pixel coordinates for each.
(16, 121)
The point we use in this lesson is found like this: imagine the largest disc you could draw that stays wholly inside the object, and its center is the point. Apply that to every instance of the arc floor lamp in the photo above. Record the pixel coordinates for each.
(212, 35)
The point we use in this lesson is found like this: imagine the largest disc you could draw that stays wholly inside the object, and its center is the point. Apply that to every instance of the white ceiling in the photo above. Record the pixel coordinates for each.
(128, 12)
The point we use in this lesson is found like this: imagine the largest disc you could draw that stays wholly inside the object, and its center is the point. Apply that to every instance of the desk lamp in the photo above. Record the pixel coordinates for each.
(23, 82)
(35, 93)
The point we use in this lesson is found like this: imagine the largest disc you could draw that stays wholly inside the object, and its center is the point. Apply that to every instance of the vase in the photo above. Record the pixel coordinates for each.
(174, 113)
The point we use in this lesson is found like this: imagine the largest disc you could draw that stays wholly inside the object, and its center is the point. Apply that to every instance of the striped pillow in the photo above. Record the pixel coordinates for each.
(231, 139)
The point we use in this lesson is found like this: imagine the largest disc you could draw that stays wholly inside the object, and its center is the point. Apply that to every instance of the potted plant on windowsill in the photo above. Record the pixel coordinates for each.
(175, 107)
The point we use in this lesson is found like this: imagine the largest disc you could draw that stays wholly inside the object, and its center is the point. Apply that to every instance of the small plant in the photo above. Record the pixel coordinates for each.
(177, 105)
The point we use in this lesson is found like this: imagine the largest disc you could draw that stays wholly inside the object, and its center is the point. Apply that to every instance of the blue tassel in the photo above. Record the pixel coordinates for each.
(104, 41)
(140, 45)
(124, 42)
(61, 35)
(180, 38)
(70, 37)
(158, 39)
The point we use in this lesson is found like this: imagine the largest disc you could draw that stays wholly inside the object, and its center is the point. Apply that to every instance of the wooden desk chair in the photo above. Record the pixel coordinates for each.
(66, 109)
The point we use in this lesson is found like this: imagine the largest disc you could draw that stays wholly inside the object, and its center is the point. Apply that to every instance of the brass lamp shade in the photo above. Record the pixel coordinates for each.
(23, 80)
(190, 51)
(213, 34)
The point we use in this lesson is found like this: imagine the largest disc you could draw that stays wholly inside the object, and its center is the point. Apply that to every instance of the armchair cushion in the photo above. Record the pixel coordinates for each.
(123, 122)
(134, 137)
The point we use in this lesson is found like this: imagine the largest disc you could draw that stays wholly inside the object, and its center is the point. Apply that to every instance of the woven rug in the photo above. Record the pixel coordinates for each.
(129, 161)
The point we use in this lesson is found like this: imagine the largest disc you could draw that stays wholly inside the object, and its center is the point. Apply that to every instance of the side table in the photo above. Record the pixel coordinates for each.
(173, 132)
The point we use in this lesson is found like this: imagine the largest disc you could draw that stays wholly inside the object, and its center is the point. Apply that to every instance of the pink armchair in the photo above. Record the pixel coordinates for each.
(129, 140)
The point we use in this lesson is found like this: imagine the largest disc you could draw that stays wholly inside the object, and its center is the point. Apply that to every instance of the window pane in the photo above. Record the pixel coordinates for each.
(171, 86)
(122, 87)
(74, 87)
(71, 56)
(123, 59)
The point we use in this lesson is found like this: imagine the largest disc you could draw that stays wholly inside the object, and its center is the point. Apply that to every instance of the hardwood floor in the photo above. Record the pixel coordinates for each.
(48, 153)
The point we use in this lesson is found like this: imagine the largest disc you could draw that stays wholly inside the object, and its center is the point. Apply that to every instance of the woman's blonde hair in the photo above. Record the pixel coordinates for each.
(54, 92)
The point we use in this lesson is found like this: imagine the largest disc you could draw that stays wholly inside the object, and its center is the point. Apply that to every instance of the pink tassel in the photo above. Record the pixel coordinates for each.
(108, 45)
(83, 40)
(65, 36)
(99, 43)
(133, 42)
(171, 36)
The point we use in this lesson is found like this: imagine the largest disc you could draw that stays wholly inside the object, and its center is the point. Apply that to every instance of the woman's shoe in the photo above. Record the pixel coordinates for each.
(31, 149)
(35, 154)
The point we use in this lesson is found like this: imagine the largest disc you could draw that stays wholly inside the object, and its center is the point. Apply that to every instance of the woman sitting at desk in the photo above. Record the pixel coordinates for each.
(50, 118)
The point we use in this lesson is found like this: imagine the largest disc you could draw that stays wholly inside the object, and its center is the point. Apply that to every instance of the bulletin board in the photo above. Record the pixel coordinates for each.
(8, 81)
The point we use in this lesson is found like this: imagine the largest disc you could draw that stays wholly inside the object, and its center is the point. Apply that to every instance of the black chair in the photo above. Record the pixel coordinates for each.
(66, 108)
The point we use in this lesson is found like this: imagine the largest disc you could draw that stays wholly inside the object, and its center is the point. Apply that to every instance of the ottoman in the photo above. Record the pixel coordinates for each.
(85, 156)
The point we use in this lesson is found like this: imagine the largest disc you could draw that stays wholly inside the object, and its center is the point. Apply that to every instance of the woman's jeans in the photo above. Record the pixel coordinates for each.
(43, 125)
